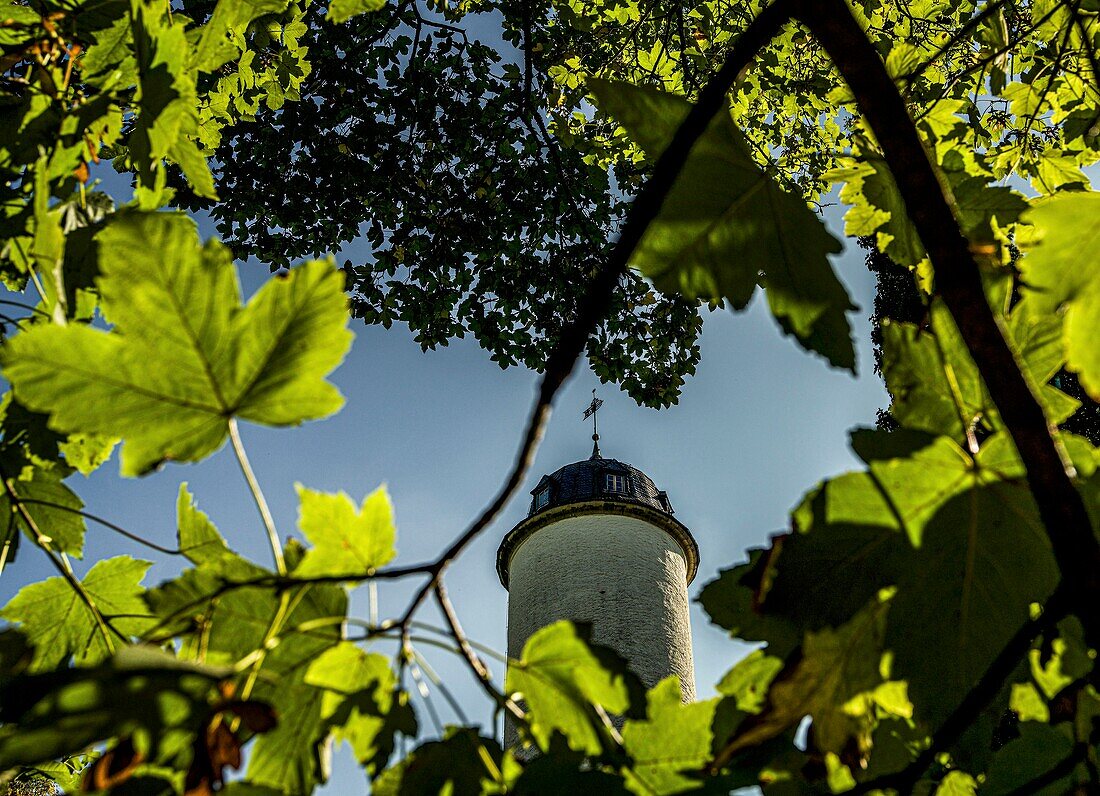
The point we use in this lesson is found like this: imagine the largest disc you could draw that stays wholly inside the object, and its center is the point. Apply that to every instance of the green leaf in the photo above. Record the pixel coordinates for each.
(1061, 272)
(51, 715)
(1039, 748)
(560, 676)
(184, 356)
(59, 624)
(983, 560)
(168, 119)
(726, 224)
(834, 667)
(878, 209)
(198, 539)
(747, 682)
(293, 756)
(847, 545)
(343, 10)
(672, 744)
(730, 600)
(957, 783)
(346, 541)
(110, 59)
(52, 507)
(915, 473)
(935, 385)
(457, 765)
(223, 35)
(86, 452)
(362, 702)
(226, 624)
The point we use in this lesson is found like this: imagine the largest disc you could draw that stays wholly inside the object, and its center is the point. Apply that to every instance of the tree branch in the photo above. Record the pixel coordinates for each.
(597, 299)
(481, 673)
(976, 700)
(958, 281)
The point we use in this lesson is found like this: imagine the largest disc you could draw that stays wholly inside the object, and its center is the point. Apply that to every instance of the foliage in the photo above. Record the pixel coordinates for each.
(930, 614)
(491, 229)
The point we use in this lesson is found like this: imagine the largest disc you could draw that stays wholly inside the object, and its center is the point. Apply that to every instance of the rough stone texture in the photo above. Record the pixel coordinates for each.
(625, 576)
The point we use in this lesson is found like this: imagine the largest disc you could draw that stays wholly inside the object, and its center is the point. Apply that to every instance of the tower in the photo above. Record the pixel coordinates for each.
(600, 545)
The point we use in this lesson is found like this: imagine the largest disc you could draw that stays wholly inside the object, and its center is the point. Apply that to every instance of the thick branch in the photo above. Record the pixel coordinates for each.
(597, 298)
(958, 281)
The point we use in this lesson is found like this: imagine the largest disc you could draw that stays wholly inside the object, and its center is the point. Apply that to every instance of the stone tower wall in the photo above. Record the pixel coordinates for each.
(624, 575)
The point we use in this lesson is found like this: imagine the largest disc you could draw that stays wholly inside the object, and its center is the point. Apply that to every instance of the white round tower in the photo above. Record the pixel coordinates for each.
(600, 545)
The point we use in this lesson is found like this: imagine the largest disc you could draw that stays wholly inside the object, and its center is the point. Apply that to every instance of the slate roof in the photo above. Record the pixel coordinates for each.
(584, 480)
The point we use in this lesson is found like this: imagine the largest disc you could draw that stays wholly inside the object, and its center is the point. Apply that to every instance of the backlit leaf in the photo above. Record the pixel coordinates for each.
(983, 560)
(59, 624)
(184, 356)
(1062, 271)
(727, 225)
(346, 540)
(673, 742)
(560, 677)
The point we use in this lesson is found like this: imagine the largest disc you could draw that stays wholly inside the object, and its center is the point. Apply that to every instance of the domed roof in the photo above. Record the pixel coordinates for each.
(597, 486)
(597, 479)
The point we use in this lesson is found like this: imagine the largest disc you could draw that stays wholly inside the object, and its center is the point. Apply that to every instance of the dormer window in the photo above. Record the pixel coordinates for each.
(614, 483)
(542, 498)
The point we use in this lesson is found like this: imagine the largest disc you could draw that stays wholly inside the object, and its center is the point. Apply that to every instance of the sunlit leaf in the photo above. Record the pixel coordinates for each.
(346, 540)
(362, 702)
(727, 225)
(60, 625)
(1061, 271)
(184, 356)
(343, 10)
(672, 743)
(560, 677)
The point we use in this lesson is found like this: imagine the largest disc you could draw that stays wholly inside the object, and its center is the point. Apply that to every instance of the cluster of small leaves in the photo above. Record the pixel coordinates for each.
(504, 199)
(418, 143)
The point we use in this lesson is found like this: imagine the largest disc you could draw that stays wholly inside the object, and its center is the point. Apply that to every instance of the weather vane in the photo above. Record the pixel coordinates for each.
(590, 412)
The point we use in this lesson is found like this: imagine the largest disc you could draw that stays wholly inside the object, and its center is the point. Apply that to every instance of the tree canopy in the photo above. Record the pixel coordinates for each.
(928, 619)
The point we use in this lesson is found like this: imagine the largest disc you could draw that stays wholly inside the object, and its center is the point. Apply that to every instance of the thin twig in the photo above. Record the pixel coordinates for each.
(258, 496)
(437, 681)
(477, 666)
(106, 524)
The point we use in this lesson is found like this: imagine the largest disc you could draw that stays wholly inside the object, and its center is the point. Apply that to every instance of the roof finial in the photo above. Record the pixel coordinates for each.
(591, 412)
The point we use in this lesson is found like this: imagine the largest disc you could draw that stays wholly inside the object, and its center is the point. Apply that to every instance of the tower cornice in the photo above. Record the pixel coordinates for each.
(535, 522)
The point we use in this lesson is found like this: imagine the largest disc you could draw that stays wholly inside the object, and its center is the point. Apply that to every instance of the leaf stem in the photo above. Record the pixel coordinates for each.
(258, 496)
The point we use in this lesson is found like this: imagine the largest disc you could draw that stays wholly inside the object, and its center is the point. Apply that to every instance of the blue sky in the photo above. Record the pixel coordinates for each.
(760, 423)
